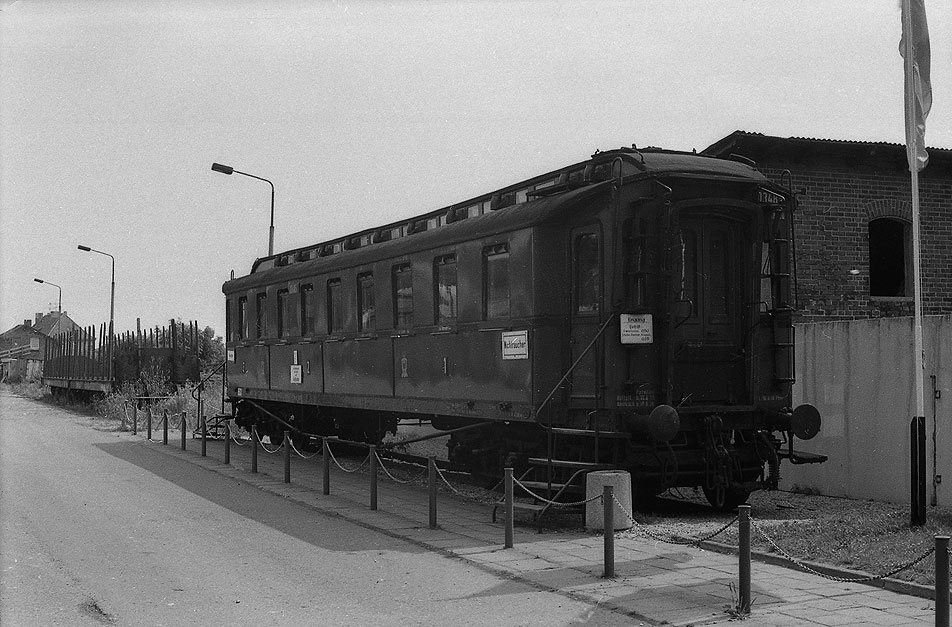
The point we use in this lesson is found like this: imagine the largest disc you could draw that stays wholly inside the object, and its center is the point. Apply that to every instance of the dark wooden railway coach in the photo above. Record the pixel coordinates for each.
(633, 310)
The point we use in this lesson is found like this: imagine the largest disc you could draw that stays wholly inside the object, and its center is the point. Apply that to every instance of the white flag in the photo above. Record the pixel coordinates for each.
(914, 47)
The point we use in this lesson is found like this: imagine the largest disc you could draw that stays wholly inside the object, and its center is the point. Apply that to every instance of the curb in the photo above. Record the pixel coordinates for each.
(887, 583)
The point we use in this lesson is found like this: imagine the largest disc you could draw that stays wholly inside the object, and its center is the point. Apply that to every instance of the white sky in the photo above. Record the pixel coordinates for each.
(360, 113)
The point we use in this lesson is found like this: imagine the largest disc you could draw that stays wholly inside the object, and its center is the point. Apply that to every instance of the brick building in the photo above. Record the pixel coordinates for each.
(853, 230)
(22, 347)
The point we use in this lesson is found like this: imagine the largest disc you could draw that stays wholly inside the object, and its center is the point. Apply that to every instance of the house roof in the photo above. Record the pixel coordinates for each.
(764, 148)
(48, 324)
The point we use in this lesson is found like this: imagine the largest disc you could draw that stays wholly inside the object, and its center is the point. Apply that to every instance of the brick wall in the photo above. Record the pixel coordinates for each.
(837, 202)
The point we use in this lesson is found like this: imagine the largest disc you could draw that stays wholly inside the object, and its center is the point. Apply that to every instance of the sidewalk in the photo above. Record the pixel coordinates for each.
(655, 583)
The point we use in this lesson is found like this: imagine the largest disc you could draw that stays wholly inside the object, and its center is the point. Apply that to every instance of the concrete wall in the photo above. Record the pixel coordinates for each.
(860, 375)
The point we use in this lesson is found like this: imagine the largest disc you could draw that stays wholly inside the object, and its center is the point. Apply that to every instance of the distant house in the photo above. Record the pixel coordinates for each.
(22, 347)
(854, 223)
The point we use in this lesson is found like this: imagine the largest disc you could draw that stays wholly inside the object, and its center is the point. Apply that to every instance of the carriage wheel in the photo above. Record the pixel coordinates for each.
(724, 499)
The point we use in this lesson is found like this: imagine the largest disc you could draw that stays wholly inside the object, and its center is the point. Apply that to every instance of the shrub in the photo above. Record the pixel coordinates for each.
(30, 387)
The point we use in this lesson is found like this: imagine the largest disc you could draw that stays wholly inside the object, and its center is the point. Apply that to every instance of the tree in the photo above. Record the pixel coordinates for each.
(211, 350)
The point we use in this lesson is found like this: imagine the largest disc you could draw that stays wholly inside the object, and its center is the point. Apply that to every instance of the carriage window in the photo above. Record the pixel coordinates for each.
(307, 309)
(229, 323)
(284, 314)
(587, 278)
(261, 311)
(241, 332)
(335, 309)
(496, 281)
(718, 305)
(365, 302)
(689, 269)
(766, 287)
(889, 263)
(402, 297)
(444, 284)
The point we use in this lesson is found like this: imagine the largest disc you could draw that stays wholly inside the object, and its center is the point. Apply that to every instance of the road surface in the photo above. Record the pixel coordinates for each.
(99, 529)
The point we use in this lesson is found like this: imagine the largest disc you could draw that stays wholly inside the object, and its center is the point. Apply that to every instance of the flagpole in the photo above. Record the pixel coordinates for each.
(911, 124)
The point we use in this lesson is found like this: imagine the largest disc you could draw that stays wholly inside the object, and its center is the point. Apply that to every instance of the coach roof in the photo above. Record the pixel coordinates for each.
(478, 227)
(548, 195)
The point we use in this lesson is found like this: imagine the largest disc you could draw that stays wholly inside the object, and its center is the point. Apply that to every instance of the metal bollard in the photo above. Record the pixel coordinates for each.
(184, 426)
(942, 581)
(227, 442)
(254, 448)
(373, 478)
(509, 508)
(327, 466)
(743, 541)
(204, 437)
(431, 481)
(165, 426)
(287, 456)
(608, 522)
(148, 422)
(135, 418)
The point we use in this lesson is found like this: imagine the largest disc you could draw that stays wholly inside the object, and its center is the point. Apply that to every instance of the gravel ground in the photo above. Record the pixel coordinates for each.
(866, 536)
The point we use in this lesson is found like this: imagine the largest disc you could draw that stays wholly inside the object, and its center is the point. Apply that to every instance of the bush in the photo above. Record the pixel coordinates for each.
(29, 387)
(154, 393)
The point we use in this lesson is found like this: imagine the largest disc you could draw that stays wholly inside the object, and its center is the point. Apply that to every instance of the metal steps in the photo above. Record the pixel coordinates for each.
(535, 479)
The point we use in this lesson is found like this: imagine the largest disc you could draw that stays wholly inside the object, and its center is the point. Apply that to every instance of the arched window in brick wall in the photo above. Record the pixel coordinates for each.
(890, 257)
(889, 223)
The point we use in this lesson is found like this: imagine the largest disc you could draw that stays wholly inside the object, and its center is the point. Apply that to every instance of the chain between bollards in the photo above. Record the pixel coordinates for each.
(254, 448)
(608, 522)
(743, 541)
(431, 484)
(509, 508)
(942, 581)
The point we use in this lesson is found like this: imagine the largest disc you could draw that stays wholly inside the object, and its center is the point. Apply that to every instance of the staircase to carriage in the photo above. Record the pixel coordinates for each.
(216, 426)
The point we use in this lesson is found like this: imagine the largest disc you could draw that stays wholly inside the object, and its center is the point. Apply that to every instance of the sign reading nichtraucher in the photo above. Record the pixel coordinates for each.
(636, 329)
(515, 345)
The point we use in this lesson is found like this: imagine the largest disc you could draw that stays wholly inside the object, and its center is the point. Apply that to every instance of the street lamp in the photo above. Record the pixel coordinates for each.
(60, 307)
(112, 298)
(227, 169)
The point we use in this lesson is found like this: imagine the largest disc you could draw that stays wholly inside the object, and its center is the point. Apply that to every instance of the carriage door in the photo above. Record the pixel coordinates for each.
(585, 316)
(708, 335)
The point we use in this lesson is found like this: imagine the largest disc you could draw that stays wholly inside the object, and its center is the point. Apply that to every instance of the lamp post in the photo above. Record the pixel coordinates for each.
(227, 169)
(59, 307)
(112, 299)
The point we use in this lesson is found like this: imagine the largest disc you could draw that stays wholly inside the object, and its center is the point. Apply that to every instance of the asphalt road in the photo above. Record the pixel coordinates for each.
(97, 529)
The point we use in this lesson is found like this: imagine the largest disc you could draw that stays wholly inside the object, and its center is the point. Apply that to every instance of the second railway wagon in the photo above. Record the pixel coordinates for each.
(631, 311)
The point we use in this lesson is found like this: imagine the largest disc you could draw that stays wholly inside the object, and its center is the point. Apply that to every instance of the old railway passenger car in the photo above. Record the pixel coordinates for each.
(632, 310)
